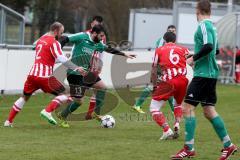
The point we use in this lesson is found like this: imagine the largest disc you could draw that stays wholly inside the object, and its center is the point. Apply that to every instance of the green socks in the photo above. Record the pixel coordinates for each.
(171, 103)
(74, 105)
(190, 125)
(218, 125)
(221, 131)
(100, 95)
(146, 92)
(69, 109)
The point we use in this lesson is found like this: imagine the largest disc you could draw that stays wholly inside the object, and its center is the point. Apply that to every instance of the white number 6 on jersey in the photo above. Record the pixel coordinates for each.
(174, 58)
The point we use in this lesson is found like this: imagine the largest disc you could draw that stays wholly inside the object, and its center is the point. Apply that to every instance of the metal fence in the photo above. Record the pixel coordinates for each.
(12, 26)
(229, 42)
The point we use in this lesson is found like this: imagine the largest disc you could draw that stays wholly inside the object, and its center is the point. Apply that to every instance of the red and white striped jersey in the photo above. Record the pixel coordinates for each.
(47, 51)
(172, 61)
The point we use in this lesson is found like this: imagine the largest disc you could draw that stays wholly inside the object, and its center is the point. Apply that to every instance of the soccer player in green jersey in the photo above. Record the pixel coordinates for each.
(160, 42)
(86, 45)
(96, 20)
(147, 90)
(202, 89)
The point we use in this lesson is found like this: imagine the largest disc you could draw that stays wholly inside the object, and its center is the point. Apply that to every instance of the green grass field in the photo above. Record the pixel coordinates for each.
(34, 139)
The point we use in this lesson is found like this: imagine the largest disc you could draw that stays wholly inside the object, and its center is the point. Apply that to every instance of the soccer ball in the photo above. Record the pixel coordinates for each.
(107, 121)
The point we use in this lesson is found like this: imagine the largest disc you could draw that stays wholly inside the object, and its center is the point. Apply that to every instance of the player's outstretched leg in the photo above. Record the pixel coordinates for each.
(139, 102)
(69, 109)
(17, 107)
(160, 119)
(65, 113)
(54, 104)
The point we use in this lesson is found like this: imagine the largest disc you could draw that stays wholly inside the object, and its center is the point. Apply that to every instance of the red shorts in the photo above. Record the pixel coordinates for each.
(47, 85)
(175, 87)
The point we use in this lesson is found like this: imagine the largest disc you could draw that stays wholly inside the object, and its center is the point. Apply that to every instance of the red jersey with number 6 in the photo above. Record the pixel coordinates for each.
(47, 51)
(172, 61)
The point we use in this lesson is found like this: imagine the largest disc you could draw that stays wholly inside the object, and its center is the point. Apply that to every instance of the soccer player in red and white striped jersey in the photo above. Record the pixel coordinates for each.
(172, 60)
(48, 51)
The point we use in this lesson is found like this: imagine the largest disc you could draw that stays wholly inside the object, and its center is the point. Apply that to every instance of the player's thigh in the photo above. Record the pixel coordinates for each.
(30, 86)
(163, 91)
(99, 84)
(79, 100)
(195, 92)
(90, 79)
(180, 85)
(51, 85)
(210, 90)
(77, 87)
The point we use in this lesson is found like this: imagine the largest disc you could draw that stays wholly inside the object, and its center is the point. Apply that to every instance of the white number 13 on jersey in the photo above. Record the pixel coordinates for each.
(174, 58)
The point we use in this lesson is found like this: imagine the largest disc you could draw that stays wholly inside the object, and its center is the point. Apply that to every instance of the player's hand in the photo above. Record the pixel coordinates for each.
(188, 55)
(131, 56)
(82, 71)
(190, 61)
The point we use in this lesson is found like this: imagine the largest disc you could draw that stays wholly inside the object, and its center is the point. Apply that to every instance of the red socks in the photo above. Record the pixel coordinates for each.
(53, 105)
(56, 102)
(160, 119)
(178, 113)
(92, 105)
(17, 106)
(13, 112)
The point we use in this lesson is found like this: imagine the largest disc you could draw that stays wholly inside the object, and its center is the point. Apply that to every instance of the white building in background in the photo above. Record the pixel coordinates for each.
(147, 25)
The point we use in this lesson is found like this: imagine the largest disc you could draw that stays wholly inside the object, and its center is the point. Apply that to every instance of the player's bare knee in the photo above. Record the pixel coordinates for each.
(207, 115)
(100, 85)
(209, 112)
(188, 110)
(185, 111)
(77, 100)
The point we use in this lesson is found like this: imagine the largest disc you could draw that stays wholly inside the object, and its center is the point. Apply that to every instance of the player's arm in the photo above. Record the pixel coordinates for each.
(58, 54)
(205, 50)
(207, 43)
(63, 40)
(189, 57)
(114, 51)
(71, 38)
